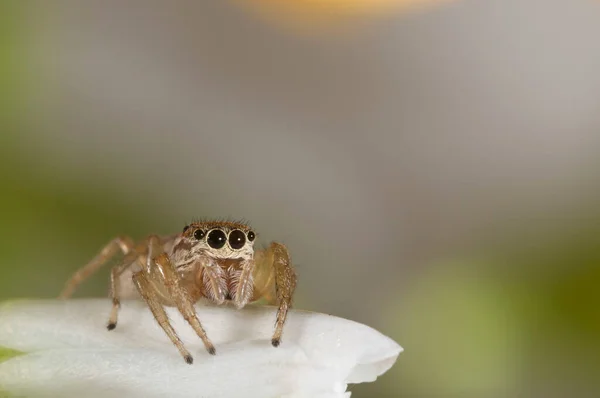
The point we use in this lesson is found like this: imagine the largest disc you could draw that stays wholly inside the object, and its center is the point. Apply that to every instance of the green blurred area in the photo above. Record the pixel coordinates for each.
(49, 226)
(514, 319)
(473, 329)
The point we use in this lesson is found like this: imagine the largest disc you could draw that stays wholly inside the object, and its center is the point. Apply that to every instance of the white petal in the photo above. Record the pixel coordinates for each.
(70, 352)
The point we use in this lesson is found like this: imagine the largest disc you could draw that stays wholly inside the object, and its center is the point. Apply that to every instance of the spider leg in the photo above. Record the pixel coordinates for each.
(149, 294)
(115, 286)
(122, 243)
(285, 284)
(143, 251)
(166, 272)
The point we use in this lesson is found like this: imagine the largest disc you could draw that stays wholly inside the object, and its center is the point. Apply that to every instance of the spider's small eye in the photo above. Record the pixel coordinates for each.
(216, 239)
(237, 239)
(199, 234)
(186, 228)
(251, 236)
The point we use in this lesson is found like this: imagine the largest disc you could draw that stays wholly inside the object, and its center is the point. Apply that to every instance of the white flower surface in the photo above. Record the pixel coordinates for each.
(65, 350)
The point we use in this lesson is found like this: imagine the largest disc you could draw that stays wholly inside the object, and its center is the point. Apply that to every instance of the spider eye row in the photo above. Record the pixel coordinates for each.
(217, 238)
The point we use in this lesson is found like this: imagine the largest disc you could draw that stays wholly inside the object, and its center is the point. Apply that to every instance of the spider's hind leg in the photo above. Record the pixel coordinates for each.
(122, 243)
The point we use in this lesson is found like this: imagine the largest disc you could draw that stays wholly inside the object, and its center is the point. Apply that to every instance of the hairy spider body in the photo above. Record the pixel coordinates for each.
(215, 260)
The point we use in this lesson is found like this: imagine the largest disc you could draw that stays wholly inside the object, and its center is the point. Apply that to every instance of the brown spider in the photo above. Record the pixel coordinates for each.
(211, 259)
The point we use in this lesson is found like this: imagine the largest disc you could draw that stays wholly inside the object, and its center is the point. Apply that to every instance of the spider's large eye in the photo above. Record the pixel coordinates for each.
(199, 234)
(251, 236)
(237, 239)
(216, 238)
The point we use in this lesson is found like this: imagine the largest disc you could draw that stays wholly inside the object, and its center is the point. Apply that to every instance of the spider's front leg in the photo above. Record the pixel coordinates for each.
(159, 272)
(285, 284)
(142, 280)
(149, 294)
(165, 271)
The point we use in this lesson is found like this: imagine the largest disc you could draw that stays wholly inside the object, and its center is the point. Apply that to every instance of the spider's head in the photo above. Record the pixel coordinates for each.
(220, 239)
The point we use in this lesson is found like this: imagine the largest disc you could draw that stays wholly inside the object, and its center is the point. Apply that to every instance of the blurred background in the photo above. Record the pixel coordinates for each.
(432, 165)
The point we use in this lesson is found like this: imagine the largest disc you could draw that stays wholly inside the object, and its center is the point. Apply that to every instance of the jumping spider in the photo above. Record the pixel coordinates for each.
(208, 259)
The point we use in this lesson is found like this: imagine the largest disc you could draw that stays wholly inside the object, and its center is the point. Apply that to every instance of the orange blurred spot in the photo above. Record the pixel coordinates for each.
(323, 13)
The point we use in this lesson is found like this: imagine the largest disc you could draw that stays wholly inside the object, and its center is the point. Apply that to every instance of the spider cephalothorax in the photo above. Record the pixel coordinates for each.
(211, 259)
(220, 240)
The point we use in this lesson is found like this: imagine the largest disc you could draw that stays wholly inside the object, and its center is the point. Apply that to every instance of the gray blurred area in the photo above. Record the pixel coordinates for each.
(431, 172)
